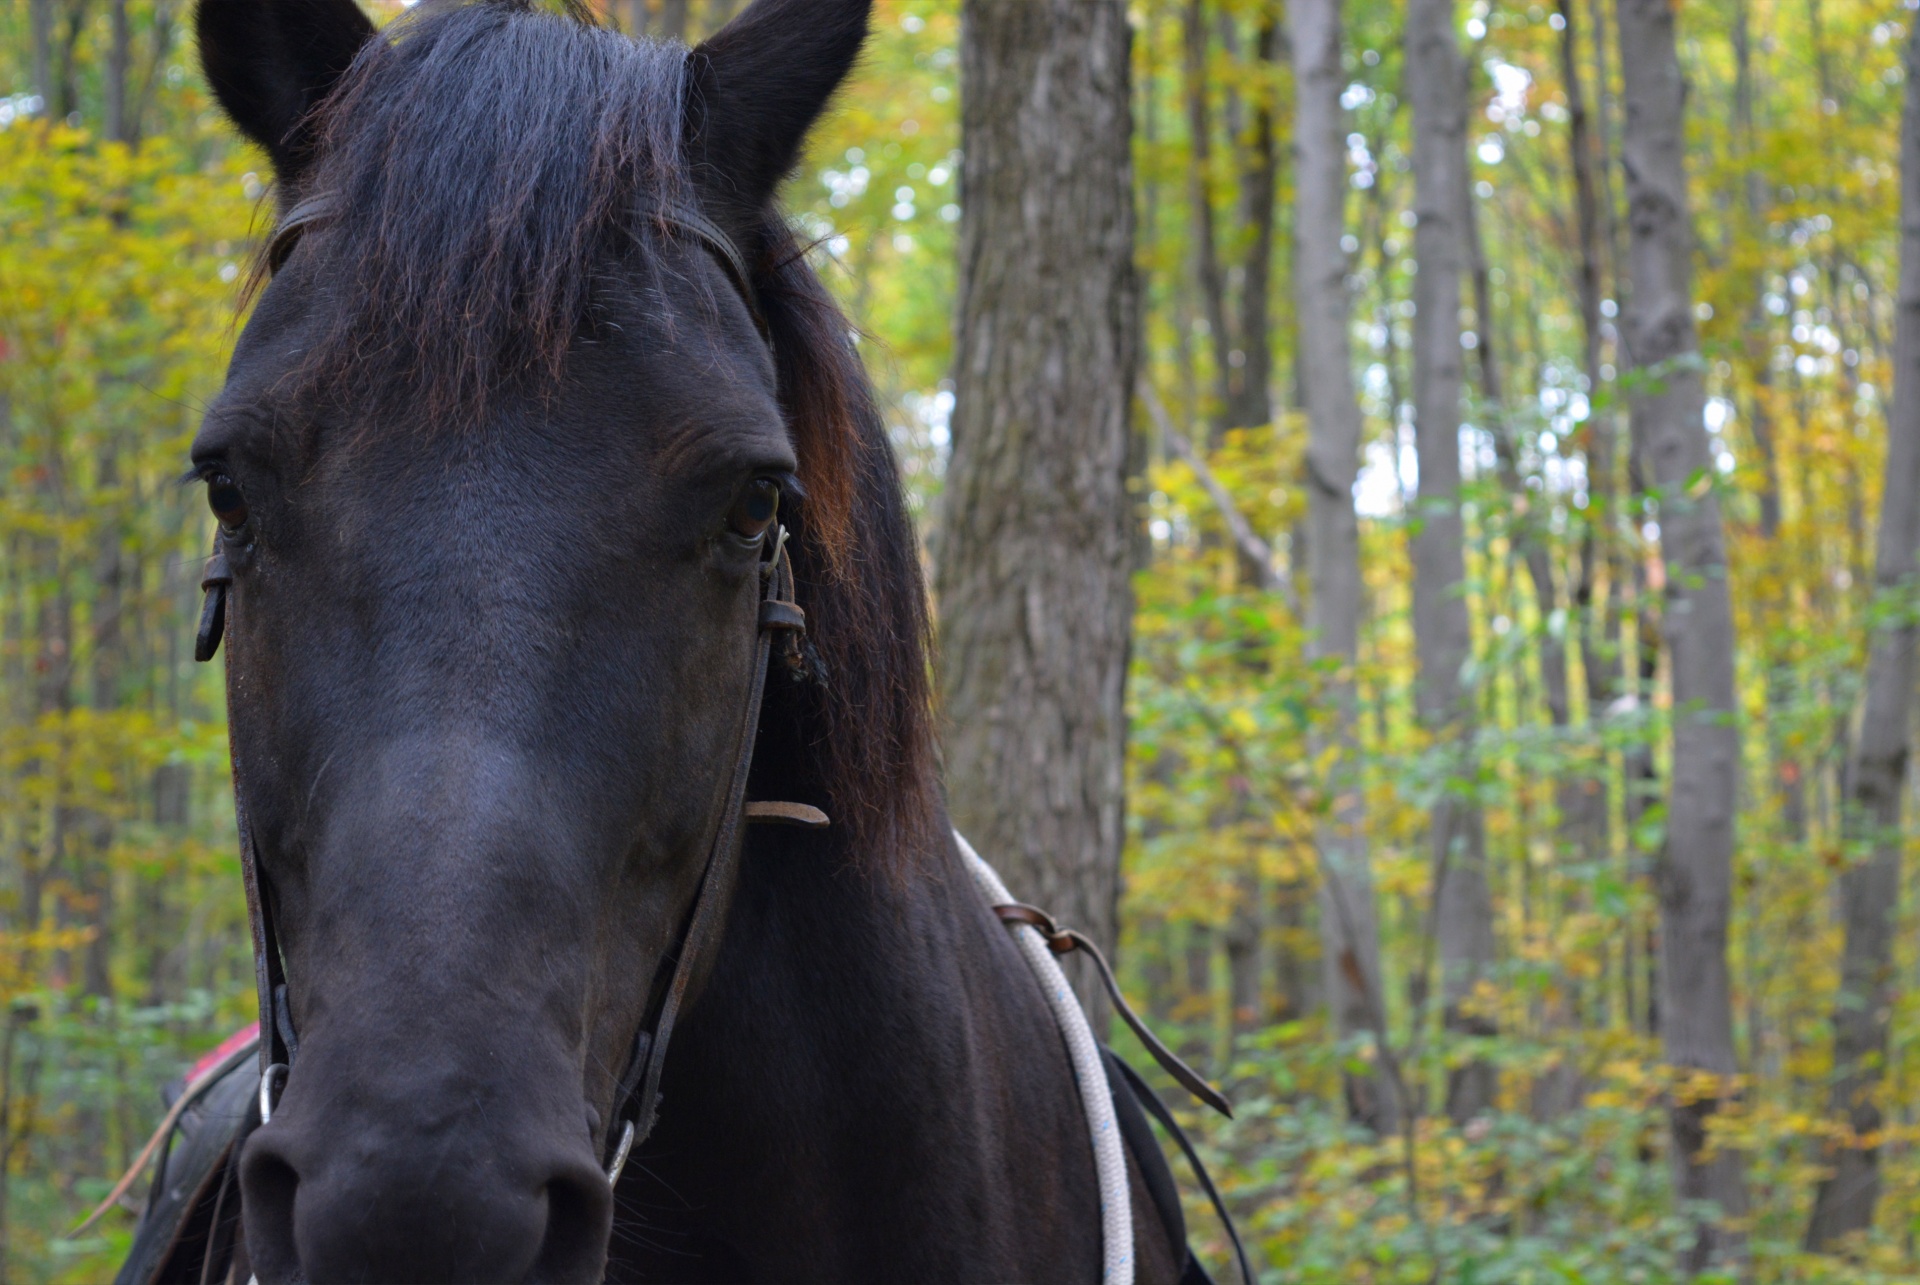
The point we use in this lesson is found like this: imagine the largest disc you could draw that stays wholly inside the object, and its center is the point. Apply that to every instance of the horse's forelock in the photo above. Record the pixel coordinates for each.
(483, 156)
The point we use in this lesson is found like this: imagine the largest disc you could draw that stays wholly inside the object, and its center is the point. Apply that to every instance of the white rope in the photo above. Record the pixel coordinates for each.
(1096, 1096)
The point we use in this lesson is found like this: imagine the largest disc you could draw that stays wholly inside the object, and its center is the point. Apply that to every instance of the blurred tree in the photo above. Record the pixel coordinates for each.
(1696, 862)
(1876, 780)
(1463, 908)
(1349, 931)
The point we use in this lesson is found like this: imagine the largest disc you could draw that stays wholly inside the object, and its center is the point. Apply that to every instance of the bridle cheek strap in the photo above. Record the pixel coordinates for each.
(637, 1103)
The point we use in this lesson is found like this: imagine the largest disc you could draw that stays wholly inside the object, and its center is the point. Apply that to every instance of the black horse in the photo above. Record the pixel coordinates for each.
(498, 468)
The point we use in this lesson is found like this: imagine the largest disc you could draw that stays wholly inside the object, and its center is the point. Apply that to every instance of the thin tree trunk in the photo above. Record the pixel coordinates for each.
(1035, 604)
(1206, 242)
(636, 18)
(40, 19)
(1443, 637)
(1349, 925)
(1600, 635)
(1696, 867)
(66, 87)
(1251, 396)
(1870, 887)
(159, 47)
(120, 126)
(1596, 596)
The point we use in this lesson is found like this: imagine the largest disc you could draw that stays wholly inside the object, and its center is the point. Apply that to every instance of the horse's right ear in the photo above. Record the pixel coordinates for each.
(757, 87)
(270, 62)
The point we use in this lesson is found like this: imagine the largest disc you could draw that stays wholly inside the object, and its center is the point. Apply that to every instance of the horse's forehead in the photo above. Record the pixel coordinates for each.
(674, 377)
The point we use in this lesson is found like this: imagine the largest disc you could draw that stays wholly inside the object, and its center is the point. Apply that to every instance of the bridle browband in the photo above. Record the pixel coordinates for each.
(637, 1093)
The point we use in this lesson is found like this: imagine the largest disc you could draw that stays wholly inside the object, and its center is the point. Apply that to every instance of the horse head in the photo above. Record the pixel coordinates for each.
(537, 379)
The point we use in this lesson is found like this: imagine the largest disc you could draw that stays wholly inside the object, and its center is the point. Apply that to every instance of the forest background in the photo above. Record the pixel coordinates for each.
(1505, 1122)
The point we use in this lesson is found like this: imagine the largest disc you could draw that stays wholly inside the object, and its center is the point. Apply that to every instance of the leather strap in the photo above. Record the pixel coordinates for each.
(287, 234)
(1143, 1094)
(1062, 941)
(638, 1100)
(803, 815)
(214, 583)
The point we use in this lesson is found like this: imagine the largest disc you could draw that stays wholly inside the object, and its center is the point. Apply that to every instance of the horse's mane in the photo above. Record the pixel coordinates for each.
(488, 157)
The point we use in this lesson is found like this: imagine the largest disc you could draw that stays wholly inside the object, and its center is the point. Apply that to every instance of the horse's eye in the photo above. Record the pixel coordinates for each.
(228, 505)
(756, 508)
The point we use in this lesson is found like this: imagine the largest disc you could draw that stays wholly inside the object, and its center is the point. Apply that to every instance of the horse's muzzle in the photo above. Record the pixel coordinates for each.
(343, 1185)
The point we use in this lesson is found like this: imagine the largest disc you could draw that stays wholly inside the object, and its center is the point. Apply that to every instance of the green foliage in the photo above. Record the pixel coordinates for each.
(123, 943)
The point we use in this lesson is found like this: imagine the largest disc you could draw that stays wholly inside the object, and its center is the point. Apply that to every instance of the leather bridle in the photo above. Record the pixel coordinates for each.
(637, 1094)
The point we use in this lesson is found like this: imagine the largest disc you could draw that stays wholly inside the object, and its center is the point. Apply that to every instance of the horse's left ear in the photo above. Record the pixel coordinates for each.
(757, 87)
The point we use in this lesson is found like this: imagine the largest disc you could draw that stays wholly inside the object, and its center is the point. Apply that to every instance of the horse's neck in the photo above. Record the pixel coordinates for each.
(870, 1086)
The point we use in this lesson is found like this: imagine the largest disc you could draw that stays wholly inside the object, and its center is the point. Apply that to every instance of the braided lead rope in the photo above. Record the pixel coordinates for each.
(1096, 1095)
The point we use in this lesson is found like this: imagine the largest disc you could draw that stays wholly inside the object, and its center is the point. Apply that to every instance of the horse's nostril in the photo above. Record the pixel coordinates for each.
(579, 1210)
(269, 1183)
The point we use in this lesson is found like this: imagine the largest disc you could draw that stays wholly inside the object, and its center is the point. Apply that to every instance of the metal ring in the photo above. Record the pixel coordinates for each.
(278, 1071)
(620, 1155)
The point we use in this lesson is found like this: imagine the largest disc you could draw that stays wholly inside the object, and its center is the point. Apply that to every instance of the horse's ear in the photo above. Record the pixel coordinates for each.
(757, 87)
(270, 62)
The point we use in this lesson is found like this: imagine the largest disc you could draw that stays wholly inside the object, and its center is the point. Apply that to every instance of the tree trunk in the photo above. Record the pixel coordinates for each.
(66, 82)
(1349, 927)
(1596, 598)
(636, 18)
(1206, 241)
(1250, 395)
(119, 64)
(1443, 638)
(1695, 869)
(1870, 887)
(1035, 604)
(40, 19)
